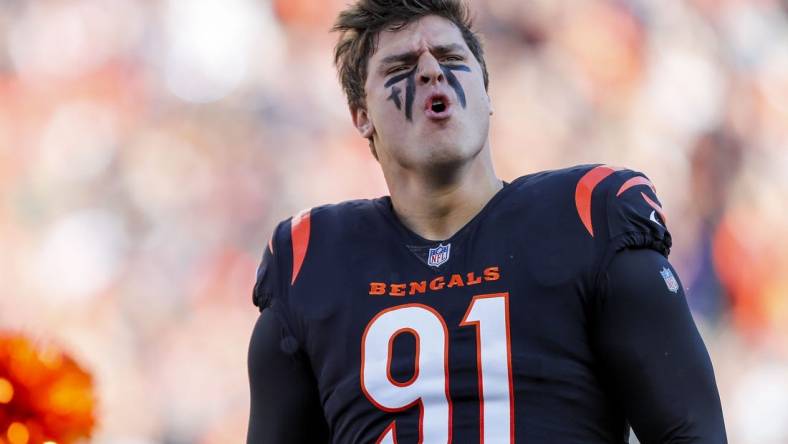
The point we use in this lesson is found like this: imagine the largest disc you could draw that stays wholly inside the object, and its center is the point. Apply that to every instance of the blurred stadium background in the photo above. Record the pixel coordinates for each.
(147, 148)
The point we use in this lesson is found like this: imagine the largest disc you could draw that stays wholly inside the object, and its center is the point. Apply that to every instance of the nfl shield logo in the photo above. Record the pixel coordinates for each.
(670, 280)
(438, 255)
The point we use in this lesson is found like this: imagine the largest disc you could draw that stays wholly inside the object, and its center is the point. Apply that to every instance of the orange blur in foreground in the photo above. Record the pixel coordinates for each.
(45, 396)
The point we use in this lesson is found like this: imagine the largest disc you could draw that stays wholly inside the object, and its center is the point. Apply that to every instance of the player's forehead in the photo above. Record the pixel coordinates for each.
(426, 32)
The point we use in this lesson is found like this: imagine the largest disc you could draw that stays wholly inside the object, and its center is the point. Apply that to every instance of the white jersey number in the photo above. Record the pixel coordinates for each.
(429, 387)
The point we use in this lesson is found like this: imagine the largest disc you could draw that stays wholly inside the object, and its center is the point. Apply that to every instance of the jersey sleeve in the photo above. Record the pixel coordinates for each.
(266, 283)
(634, 215)
(650, 353)
(272, 286)
(285, 403)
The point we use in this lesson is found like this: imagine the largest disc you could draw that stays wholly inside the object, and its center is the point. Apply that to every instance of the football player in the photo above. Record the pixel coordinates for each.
(462, 308)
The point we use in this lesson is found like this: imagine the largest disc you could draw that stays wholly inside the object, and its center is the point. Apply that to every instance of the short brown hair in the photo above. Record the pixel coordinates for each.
(360, 24)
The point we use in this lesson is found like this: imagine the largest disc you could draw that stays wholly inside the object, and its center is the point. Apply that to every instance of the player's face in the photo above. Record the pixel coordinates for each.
(426, 104)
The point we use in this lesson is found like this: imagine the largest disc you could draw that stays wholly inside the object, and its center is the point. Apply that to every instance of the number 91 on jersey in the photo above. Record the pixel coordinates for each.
(428, 388)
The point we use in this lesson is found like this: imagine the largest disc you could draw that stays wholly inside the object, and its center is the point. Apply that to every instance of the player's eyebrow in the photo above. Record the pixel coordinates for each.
(408, 56)
(411, 56)
(447, 49)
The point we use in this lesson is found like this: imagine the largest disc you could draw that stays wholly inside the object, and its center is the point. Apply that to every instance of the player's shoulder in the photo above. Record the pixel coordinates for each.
(599, 202)
(573, 177)
(330, 219)
(297, 238)
(556, 185)
(617, 193)
(574, 218)
(535, 214)
(634, 215)
(619, 206)
(348, 213)
(551, 193)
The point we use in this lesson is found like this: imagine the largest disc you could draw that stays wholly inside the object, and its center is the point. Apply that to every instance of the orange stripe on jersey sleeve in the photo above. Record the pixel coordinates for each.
(656, 207)
(584, 190)
(635, 181)
(299, 232)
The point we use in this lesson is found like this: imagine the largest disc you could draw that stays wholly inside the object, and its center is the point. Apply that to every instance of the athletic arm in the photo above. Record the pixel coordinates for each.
(285, 406)
(652, 355)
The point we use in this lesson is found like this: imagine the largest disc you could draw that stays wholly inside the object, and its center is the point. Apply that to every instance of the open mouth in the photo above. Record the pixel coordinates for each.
(438, 105)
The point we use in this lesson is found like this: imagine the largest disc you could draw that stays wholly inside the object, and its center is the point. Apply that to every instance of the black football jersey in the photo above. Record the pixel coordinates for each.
(482, 337)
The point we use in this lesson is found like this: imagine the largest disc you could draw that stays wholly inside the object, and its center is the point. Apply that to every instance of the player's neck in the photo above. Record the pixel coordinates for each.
(436, 209)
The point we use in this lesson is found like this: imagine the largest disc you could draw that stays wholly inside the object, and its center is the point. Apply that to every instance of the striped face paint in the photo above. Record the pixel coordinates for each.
(453, 82)
(395, 92)
(410, 91)
(410, 87)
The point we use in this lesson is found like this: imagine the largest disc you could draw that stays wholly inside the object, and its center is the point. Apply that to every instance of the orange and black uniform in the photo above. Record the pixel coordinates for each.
(553, 316)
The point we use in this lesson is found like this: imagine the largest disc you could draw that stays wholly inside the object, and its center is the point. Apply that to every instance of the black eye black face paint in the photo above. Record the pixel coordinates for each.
(453, 82)
(410, 91)
(395, 97)
(410, 87)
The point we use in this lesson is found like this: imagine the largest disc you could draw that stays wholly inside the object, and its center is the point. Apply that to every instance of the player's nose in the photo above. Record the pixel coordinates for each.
(429, 70)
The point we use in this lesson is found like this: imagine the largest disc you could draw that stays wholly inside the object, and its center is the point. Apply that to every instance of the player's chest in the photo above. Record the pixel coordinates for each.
(475, 299)
(397, 331)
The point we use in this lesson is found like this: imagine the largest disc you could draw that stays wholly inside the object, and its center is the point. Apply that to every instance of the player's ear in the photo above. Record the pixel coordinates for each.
(490, 105)
(362, 122)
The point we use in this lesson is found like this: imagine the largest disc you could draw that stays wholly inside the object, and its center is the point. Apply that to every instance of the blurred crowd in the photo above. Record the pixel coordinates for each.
(147, 149)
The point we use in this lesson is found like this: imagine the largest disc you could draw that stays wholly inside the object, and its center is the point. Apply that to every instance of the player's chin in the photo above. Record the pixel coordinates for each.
(446, 151)
(449, 132)
(442, 165)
